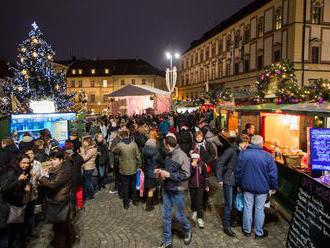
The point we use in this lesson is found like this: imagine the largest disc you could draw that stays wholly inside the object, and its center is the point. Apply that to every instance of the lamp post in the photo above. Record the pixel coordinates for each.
(171, 74)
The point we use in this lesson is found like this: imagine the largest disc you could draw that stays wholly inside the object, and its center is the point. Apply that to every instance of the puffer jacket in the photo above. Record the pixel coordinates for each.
(185, 141)
(58, 185)
(7, 154)
(151, 158)
(129, 156)
(89, 155)
(177, 164)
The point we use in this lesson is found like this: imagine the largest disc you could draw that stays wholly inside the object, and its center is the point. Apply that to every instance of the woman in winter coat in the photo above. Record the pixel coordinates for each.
(88, 152)
(102, 159)
(58, 189)
(14, 187)
(151, 158)
(226, 178)
(185, 138)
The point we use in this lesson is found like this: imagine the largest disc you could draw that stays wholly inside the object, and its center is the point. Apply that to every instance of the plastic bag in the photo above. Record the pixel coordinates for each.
(239, 202)
(141, 183)
(138, 182)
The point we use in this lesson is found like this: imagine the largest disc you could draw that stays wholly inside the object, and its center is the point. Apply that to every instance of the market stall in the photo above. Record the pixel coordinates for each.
(227, 117)
(186, 106)
(138, 98)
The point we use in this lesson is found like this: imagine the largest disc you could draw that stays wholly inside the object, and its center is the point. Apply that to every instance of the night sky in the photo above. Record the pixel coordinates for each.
(112, 28)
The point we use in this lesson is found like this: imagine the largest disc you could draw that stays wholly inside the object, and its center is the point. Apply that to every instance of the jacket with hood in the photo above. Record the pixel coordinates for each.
(226, 166)
(151, 158)
(177, 163)
(129, 156)
(89, 156)
(185, 140)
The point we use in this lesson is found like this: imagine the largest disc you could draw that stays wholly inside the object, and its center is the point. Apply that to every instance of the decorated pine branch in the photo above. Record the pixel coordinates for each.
(34, 77)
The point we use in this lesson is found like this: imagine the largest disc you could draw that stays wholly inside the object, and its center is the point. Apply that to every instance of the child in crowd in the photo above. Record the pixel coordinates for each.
(197, 185)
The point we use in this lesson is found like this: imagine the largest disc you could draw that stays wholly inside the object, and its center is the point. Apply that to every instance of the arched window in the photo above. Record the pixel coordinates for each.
(316, 12)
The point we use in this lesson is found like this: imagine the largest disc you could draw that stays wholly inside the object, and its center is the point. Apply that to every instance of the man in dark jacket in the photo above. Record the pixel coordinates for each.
(225, 174)
(176, 175)
(256, 173)
(185, 138)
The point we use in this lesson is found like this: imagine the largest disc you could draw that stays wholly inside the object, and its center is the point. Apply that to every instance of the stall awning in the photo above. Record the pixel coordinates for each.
(309, 108)
(138, 90)
(265, 107)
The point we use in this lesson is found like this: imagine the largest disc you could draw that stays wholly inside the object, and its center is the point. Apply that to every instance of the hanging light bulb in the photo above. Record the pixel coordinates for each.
(24, 72)
(50, 57)
(34, 54)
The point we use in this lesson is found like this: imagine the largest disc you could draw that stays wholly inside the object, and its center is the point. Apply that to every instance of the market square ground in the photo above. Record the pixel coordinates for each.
(105, 223)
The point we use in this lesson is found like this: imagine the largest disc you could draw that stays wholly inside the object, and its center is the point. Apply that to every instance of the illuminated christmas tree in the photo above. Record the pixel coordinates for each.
(35, 77)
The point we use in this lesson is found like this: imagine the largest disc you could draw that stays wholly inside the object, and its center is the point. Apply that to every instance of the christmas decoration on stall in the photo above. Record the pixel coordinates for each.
(34, 76)
(215, 95)
(283, 75)
(317, 91)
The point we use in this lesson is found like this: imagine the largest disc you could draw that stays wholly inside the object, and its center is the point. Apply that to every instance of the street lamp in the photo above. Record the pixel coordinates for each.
(171, 74)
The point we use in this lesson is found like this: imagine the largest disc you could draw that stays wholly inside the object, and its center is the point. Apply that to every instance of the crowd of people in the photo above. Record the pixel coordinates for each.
(151, 159)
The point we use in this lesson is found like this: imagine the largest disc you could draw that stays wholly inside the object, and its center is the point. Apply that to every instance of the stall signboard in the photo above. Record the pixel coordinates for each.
(319, 147)
(310, 225)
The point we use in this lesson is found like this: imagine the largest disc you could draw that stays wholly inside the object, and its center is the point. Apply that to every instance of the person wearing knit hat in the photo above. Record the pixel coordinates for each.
(198, 184)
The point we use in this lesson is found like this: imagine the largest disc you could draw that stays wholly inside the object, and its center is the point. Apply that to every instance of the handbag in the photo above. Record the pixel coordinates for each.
(57, 212)
(16, 214)
(239, 202)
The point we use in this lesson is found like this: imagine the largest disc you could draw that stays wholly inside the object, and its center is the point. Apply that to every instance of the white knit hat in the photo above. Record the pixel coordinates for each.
(194, 155)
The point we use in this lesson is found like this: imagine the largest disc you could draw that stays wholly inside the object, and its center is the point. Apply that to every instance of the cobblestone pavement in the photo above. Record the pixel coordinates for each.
(104, 223)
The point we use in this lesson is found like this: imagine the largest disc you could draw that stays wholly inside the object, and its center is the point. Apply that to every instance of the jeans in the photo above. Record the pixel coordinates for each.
(88, 186)
(258, 201)
(128, 188)
(196, 196)
(101, 169)
(29, 218)
(173, 199)
(229, 195)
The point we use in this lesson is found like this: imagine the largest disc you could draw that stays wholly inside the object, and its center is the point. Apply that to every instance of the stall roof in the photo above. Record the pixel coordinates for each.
(137, 90)
(309, 108)
(265, 107)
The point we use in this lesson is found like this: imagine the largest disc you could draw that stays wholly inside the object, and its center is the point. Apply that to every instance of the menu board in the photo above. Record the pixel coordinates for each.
(310, 225)
(320, 148)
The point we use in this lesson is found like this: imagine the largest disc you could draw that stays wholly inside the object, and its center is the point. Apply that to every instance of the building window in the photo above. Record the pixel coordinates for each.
(278, 19)
(213, 50)
(220, 69)
(92, 97)
(260, 27)
(80, 71)
(228, 43)
(133, 81)
(80, 84)
(73, 71)
(106, 71)
(316, 13)
(260, 61)
(237, 39)
(192, 61)
(105, 83)
(220, 47)
(92, 83)
(236, 68)
(246, 65)
(73, 84)
(196, 58)
(143, 81)
(207, 53)
(228, 69)
(93, 71)
(105, 98)
(247, 34)
(122, 82)
(315, 55)
(201, 56)
(277, 56)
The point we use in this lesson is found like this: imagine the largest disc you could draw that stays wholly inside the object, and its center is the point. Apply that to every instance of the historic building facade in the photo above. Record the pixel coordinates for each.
(97, 78)
(264, 32)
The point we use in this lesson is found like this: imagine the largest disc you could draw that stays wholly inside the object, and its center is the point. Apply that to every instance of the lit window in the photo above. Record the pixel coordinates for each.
(80, 71)
(106, 71)
(105, 83)
(278, 19)
(143, 81)
(92, 83)
(93, 71)
(122, 82)
(80, 84)
(73, 72)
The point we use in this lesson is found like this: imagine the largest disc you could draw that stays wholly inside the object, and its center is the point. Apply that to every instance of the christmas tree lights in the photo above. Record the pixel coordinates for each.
(34, 76)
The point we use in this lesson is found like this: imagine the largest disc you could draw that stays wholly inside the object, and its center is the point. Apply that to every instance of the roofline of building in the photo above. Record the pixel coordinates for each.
(223, 25)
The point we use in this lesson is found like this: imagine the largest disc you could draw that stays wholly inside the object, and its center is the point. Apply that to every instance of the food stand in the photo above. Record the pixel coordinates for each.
(228, 117)
(286, 129)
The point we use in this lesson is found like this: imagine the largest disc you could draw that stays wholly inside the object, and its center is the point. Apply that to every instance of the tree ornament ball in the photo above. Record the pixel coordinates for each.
(23, 49)
(34, 54)
(35, 40)
(50, 57)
